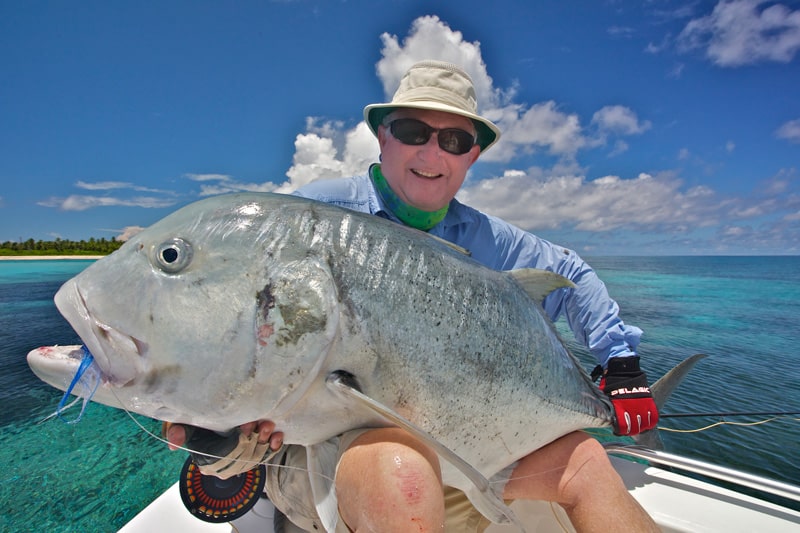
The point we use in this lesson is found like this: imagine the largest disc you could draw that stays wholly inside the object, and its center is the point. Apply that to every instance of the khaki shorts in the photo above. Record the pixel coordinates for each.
(289, 488)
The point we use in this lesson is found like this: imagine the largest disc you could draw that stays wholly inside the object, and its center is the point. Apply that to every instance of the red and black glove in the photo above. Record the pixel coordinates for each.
(626, 385)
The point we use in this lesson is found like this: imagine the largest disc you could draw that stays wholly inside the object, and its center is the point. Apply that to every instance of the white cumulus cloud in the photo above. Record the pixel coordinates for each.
(743, 32)
(619, 119)
(790, 131)
(77, 202)
(325, 150)
(542, 200)
(128, 232)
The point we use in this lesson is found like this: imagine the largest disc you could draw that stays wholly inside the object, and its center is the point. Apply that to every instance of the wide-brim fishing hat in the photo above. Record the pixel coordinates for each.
(438, 86)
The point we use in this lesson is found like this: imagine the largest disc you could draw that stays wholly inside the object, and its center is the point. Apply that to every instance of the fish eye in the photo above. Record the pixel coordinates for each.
(173, 255)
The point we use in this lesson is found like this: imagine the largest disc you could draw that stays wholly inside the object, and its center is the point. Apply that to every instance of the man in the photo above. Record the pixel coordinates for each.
(386, 480)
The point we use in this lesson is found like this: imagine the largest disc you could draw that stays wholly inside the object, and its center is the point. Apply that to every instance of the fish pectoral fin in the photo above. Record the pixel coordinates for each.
(483, 497)
(322, 486)
(539, 283)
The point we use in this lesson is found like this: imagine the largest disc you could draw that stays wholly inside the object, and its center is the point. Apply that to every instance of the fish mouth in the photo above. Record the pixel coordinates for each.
(119, 356)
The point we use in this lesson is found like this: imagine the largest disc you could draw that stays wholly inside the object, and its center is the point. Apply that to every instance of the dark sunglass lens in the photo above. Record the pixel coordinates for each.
(456, 141)
(415, 132)
(410, 131)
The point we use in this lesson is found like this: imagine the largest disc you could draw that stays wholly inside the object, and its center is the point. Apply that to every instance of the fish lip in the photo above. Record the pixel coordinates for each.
(102, 339)
(56, 365)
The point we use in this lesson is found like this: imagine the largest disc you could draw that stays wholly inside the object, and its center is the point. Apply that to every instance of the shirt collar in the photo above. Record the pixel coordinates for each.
(457, 213)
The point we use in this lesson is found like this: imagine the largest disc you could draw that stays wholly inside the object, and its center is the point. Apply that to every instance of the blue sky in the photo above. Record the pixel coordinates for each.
(636, 128)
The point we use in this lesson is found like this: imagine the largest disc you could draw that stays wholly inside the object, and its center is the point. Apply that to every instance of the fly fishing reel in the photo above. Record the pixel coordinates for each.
(216, 500)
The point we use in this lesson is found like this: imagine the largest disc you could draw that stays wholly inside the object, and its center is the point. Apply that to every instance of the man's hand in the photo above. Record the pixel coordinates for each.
(229, 455)
(626, 385)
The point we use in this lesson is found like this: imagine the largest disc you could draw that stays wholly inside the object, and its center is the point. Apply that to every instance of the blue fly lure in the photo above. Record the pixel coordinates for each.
(89, 378)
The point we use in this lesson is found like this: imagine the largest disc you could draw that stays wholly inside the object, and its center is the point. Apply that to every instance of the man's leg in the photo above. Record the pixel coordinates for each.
(387, 481)
(575, 472)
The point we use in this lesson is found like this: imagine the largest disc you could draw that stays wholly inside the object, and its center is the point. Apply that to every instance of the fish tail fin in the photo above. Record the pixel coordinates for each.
(666, 385)
(661, 391)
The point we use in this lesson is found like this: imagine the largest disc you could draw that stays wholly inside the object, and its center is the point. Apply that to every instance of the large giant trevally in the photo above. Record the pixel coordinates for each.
(261, 306)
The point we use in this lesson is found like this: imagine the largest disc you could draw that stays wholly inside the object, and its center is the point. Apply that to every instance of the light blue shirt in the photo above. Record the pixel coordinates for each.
(589, 310)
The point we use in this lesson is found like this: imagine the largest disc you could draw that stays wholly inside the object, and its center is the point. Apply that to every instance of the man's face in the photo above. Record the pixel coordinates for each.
(425, 176)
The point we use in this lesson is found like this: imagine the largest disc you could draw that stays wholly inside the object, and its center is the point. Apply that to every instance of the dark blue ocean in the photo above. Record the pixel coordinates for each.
(744, 312)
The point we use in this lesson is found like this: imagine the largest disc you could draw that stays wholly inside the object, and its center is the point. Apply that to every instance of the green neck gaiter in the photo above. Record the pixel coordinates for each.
(409, 215)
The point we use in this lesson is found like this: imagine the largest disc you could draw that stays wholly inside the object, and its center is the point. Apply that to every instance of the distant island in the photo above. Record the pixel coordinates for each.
(59, 248)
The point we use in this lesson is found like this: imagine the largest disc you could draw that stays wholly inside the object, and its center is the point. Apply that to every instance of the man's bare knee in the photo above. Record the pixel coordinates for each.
(561, 470)
(386, 474)
(589, 468)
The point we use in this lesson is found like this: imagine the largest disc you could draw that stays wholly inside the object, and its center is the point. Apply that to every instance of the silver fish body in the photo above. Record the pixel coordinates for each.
(239, 307)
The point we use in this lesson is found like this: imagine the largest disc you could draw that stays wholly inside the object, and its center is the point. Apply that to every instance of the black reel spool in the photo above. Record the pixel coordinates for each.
(216, 500)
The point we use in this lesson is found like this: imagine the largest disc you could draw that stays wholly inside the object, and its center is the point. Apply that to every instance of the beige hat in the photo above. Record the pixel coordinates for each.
(438, 86)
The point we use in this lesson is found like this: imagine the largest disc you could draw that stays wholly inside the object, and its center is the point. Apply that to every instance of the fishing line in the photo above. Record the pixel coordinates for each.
(734, 413)
(183, 448)
(527, 476)
(725, 423)
(158, 438)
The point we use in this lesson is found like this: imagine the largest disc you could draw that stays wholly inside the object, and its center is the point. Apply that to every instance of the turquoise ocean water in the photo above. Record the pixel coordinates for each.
(744, 312)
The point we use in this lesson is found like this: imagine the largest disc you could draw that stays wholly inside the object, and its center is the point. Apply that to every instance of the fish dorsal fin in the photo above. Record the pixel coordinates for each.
(539, 283)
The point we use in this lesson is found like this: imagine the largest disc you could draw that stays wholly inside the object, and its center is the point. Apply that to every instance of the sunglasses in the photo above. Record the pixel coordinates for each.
(414, 132)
